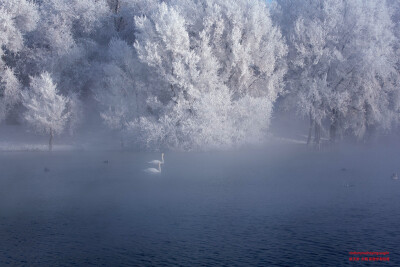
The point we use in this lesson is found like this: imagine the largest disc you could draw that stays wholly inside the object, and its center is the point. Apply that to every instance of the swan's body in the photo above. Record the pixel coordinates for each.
(156, 161)
(154, 170)
(395, 177)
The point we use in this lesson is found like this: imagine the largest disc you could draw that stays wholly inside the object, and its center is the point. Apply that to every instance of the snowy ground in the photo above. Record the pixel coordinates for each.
(7, 146)
(20, 138)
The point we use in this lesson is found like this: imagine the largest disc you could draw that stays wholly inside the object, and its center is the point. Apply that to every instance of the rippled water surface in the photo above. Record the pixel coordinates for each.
(286, 208)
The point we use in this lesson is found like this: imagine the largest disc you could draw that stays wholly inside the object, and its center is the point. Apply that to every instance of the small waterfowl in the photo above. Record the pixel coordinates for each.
(156, 161)
(154, 170)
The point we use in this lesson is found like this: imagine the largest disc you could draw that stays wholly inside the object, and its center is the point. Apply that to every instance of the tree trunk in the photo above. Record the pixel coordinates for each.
(332, 132)
(310, 129)
(317, 138)
(369, 133)
(369, 127)
(51, 140)
(118, 21)
(333, 128)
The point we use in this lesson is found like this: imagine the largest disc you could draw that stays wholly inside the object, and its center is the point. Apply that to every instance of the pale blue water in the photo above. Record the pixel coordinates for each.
(286, 208)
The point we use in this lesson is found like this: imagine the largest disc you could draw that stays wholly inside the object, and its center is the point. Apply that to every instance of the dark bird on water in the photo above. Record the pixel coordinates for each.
(106, 161)
(46, 169)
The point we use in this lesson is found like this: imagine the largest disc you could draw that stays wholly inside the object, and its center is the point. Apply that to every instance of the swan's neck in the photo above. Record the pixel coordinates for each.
(159, 167)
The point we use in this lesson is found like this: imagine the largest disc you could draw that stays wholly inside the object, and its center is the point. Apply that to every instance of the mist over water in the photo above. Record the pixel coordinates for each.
(88, 87)
(282, 206)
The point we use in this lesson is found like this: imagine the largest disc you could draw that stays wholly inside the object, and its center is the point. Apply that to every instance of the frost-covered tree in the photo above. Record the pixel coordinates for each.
(119, 91)
(371, 90)
(205, 74)
(213, 64)
(17, 18)
(68, 42)
(341, 63)
(395, 8)
(46, 109)
(9, 91)
(124, 13)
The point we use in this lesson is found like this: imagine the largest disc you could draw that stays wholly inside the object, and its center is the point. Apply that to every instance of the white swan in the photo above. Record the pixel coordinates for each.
(154, 170)
(395, 177)
(156, 161)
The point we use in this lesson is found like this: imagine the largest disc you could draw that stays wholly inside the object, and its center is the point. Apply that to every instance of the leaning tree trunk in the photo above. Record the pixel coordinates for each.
(51, 140)
(310, 129)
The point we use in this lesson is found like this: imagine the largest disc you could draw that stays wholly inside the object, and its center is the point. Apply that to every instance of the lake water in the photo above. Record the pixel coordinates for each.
(280, 207)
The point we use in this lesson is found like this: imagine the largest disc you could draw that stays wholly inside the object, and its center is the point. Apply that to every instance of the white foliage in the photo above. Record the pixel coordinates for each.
(17, 17)
(204, 74)
(46, 110)
(119, 92)
(341, 61)
(10, 36)
(10, 91)
(220, 62)
(24, 13)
